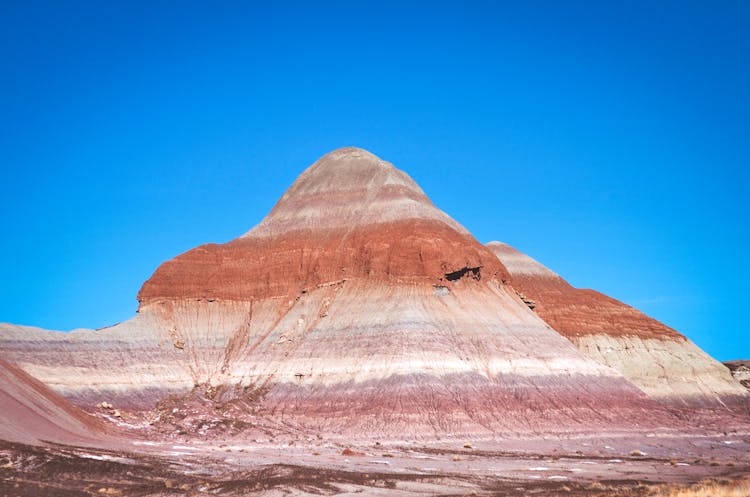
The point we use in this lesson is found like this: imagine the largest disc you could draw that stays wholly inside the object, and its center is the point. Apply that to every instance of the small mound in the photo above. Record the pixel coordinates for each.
(31, 412)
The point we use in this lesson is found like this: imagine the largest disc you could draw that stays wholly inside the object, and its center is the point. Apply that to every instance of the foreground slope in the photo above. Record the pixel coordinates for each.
(32, 413)
(656, 358)
(356, 308)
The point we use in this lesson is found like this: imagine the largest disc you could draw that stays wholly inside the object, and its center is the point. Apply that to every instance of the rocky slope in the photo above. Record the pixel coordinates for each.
(659, 360)
(741, 371)
(356, 308)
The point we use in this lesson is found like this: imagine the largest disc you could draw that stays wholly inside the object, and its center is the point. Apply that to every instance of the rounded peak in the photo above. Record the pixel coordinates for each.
(349, 187)
(350, 152)
(348, 167)
(518, 263)
(499, 245)
(341, 160)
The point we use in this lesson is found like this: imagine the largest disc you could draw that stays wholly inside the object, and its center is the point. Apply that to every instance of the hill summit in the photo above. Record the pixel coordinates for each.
(350, 215)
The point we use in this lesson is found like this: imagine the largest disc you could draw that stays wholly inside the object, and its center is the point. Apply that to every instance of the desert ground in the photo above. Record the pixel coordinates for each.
(583, 465)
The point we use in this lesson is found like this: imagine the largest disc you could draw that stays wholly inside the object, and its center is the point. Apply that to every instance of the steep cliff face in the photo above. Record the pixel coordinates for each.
(656, 358)
(355, 307)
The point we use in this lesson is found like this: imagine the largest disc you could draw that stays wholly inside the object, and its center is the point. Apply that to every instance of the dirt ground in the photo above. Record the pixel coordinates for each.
(579, 466)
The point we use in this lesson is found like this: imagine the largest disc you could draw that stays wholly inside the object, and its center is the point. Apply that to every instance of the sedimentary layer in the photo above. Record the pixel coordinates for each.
(349, 215)
(352, 358)
(656, 358)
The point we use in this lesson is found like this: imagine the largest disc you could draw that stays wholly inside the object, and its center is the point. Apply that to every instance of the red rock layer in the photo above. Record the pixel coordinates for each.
(576, 312)
(653, 356)
(256, 268)
(349, 215)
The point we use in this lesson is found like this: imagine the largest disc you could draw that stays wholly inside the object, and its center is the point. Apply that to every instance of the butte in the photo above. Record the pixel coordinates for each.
(358, 310)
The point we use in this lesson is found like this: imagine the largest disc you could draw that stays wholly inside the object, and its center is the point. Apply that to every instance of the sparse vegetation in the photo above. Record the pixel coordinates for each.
(709, 488)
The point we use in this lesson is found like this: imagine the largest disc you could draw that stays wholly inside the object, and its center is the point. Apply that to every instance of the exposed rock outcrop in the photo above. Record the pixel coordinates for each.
(656, 358)
(741, 371)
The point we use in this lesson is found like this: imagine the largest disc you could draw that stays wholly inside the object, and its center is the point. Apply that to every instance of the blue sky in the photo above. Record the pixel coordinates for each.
(609, 140)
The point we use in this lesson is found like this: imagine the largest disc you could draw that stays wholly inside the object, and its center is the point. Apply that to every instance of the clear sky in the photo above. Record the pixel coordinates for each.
(609, 140)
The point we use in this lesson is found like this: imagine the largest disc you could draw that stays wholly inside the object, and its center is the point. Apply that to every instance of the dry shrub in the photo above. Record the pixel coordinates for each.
(595, 486)
(110, 491)
(737, 488)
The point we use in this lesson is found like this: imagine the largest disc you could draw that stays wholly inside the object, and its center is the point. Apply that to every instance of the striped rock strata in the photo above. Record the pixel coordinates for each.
(357, 308)
(659, 360)
(33, 413)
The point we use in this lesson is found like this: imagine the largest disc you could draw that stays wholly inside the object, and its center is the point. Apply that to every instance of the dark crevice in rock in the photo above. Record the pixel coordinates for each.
(529, 303)
(473, 272)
